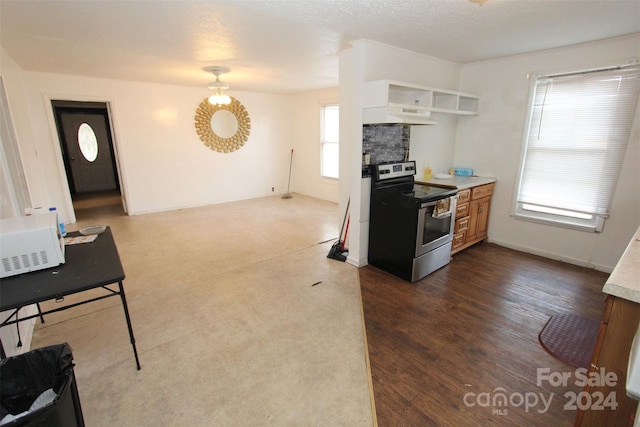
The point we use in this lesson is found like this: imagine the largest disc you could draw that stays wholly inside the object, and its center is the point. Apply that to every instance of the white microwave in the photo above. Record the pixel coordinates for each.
(30, 243)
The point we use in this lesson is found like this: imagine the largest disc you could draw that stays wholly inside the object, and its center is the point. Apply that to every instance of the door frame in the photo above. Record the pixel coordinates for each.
(62, 172)
(94, 108)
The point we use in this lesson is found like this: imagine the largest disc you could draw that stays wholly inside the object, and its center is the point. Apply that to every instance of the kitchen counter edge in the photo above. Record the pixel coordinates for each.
(459, 182)
(623, 281)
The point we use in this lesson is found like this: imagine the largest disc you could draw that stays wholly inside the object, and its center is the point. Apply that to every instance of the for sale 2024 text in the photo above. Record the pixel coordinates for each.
(500, 401)
(581, 377)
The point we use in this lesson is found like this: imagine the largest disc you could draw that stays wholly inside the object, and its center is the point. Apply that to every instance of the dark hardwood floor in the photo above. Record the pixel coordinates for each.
(443, 348)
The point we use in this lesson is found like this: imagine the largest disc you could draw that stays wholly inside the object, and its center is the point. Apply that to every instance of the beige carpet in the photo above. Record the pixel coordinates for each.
(230, 328)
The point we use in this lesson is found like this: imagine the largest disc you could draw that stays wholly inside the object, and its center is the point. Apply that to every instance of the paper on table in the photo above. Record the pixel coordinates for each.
(79, 239)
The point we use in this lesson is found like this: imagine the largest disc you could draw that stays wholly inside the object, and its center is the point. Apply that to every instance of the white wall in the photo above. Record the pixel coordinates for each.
(14, 84)
(491, 143)
(388, 62)
(305, 118)
(163, 163)
(433, 145)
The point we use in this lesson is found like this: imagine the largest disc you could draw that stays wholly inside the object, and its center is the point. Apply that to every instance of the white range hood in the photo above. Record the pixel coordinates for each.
(397, 115)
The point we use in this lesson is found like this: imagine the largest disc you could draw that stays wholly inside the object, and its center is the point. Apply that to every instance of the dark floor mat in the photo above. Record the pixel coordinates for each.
(570, 338)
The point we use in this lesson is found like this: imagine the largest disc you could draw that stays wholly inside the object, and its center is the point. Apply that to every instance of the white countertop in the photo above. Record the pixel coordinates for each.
(459, 182)
(624, 281)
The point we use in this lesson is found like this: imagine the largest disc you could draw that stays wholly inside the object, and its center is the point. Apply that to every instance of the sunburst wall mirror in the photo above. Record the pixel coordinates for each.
(222, 122)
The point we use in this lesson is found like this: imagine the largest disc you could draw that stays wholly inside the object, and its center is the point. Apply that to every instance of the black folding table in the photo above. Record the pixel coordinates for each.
(88, 266)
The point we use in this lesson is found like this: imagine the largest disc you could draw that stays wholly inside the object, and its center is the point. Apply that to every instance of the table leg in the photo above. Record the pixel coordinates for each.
(40, 313)
(126, 315)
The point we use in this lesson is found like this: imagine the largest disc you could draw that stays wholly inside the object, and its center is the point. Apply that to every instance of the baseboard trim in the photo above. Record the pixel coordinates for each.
(552, 255)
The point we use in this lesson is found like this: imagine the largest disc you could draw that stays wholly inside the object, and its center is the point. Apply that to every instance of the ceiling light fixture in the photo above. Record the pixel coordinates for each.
(480, 2)
(218, 87)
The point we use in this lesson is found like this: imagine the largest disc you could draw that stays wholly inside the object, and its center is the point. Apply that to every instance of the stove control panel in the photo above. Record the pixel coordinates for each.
(394, 170)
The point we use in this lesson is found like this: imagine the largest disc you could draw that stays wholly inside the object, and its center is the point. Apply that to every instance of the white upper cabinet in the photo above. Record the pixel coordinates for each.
(386, 99)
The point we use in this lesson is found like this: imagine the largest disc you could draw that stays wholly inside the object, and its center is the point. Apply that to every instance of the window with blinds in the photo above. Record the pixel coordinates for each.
(330, 141)
(577, 134)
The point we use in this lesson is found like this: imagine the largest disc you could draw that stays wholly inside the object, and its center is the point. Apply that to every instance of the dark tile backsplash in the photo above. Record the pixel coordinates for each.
(384, 143)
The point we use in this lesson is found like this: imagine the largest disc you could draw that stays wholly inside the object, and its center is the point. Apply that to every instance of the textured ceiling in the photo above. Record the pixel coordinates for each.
(285, 46)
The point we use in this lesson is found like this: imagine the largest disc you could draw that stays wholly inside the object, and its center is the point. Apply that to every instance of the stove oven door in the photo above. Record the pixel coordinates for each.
(436, 220)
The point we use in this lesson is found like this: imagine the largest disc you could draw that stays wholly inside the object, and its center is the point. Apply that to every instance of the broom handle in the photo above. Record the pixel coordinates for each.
(346, 212)
(290, 163)
(346, 232)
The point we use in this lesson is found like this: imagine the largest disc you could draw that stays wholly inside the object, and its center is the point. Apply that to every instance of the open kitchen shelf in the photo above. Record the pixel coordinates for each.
(406, 96)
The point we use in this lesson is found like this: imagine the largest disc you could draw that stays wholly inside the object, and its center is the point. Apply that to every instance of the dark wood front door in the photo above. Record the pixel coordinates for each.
(87, 147)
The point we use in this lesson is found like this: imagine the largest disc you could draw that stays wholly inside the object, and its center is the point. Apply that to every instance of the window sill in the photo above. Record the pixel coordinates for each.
(558, 222)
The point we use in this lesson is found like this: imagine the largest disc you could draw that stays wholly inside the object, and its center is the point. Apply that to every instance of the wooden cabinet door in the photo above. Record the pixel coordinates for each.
(483, 217)
(611, 354)
(472, 231)
(478, 219)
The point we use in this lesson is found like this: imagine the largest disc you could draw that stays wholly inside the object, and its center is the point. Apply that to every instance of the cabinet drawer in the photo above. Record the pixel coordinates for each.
(464, 195)
(481, 191)
(462, 210)
(461, 224)
(458, 240)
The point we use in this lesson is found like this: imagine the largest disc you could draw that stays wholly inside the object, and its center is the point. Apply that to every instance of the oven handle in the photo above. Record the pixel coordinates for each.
(443, 215)
(426, 205)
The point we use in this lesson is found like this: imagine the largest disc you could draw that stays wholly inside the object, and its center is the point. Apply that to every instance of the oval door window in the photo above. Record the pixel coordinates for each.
(88, 142)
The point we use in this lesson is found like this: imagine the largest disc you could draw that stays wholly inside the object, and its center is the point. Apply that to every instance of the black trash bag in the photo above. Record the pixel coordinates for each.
(25, 377)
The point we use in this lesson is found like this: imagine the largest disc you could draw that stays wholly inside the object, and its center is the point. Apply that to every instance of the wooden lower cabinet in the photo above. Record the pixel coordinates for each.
(478, 219)
(611, 354)
(472, 216)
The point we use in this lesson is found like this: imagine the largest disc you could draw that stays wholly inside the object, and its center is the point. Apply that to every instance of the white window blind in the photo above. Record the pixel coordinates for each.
(577, 136)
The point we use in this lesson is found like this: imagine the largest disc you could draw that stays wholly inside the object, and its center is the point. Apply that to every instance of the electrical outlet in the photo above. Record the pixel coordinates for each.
(273, 189)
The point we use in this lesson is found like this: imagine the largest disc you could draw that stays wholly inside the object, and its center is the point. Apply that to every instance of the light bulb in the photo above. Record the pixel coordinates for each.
(219, 99)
